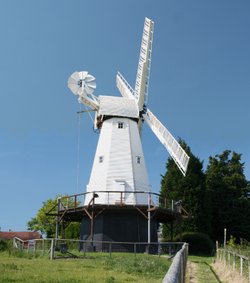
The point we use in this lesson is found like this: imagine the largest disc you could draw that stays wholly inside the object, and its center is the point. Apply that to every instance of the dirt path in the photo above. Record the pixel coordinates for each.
(191, 273)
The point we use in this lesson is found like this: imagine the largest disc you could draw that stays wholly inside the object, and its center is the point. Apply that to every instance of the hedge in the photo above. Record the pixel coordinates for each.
(199, 243)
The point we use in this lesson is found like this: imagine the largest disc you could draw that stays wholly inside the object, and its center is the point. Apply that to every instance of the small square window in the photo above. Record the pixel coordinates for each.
(120, 125)
(138, 159)
(101, 159)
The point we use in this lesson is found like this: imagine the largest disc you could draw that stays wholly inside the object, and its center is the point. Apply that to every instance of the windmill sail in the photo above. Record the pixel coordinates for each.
(175, 150)
(124, 87)
(130, 110)
(140, 94)
(143, 71)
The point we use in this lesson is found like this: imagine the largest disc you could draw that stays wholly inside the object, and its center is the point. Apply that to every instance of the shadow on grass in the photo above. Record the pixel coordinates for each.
(214, 273)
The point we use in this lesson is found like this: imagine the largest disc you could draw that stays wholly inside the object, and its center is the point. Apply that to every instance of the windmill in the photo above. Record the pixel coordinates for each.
(119, 172)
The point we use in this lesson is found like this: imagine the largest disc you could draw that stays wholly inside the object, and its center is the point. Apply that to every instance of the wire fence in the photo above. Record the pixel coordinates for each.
(234, 261)
(67, 248)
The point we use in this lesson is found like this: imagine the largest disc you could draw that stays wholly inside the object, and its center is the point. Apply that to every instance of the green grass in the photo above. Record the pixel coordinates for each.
(205, 272)
(95, 267)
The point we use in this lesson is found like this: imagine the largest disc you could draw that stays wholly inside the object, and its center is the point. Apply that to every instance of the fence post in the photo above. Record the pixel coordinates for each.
(84, 249)
(34, 250)
(135, 249)
(110, 248)
(52, 249)
(43, 248)
(234, 262)
(248, 271)
(241, 266)
(225, 237)
(217, 250)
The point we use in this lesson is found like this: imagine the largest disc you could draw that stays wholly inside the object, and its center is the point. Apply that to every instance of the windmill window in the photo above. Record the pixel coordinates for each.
(138, 159)
(120, 125)
(101, 159)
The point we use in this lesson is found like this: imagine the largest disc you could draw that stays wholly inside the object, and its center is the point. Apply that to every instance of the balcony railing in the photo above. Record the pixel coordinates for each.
(117, 198)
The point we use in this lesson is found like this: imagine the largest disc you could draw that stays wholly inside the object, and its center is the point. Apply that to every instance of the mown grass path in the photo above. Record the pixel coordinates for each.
(199, 270)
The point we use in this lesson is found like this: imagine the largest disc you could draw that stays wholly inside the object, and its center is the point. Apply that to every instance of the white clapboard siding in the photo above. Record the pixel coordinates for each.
(119, 149)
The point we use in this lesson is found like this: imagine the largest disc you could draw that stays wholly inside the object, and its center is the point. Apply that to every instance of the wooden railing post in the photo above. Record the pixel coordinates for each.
(43, 247)
(52, 249)
(248, 270)
(241, 266)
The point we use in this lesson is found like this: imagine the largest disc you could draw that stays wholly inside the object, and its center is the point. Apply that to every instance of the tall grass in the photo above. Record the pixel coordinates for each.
(243, 248)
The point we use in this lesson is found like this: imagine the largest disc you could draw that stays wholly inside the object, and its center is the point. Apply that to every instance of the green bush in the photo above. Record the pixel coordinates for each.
(3, 245)
(199, 243)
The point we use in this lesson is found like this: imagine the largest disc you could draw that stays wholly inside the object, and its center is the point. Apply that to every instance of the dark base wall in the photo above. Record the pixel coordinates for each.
(118, 227)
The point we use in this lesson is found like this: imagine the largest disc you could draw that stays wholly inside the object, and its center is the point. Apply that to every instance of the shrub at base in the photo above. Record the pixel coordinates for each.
(3, 245)
(199, 243)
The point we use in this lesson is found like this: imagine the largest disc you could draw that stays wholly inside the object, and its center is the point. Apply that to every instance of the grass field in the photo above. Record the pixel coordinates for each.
(95, 267)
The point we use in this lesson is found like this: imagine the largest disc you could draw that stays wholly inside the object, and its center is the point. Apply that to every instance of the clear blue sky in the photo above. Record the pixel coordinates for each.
(199, 87)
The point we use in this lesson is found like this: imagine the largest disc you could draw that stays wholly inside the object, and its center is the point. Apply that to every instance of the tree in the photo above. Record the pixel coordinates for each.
(73, 231)
(228, 187)
(46, 224)
(190, 189)
(42, 222)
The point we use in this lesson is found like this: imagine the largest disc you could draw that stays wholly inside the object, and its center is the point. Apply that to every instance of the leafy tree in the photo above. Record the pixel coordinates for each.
(73, 231)
(190, 189)
(47, 224)
(42, 222)
(228, 187)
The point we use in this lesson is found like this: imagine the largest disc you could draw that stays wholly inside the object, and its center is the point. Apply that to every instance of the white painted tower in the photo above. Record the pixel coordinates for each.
(119, 161)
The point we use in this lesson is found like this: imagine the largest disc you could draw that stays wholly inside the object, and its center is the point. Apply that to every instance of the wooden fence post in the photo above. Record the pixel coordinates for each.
(110, 249)
(241, 266)
(248, 271)
(43, 247)
(234, 261)
(34, 249)
(52, 249)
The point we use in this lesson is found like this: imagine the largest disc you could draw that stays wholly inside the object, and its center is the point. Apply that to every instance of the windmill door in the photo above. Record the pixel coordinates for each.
(121, 194)
(119, 187)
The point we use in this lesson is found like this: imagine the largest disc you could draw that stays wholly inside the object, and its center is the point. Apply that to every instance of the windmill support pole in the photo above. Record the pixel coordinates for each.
(149, 220)
(57, 226)
(57, 231)
(92, 227)
(149, 228)
(92, 222)
(57, 221)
